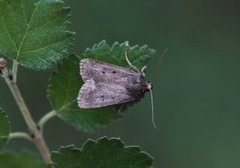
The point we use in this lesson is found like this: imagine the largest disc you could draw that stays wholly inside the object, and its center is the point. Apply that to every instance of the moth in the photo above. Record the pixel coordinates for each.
(108, 84)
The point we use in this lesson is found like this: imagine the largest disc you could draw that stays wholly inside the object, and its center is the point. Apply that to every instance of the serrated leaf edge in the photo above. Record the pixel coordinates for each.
(99, 140)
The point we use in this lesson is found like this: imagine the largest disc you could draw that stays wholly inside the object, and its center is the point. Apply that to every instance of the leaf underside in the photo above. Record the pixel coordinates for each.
(35, 32)
(103, 153)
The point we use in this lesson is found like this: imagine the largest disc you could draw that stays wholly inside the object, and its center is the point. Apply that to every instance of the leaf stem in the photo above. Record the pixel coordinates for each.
(35, 133)
(46, 118)
(22, 135)
(15, 70)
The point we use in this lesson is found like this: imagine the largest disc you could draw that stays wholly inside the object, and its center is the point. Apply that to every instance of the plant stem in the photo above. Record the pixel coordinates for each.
(15, 70)
(22, 106)
(36, 134)
(45, 118)
(22, 135)
(42, 147)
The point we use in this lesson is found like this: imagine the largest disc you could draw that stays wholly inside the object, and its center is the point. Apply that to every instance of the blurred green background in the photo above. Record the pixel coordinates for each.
(197, 87)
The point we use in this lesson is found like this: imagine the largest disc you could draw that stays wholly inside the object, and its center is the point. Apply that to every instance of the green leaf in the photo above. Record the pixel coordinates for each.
(105, 153)
(35, 32)
(66, 83)
(115, 54)
(20, 160)
(4, 128)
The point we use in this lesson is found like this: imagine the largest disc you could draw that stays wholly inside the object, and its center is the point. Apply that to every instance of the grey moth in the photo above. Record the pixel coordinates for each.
(107, 84)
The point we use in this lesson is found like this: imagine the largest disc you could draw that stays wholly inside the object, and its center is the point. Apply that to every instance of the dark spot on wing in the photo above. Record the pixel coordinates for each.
(103, 72)
(113, 72)
(102, 97)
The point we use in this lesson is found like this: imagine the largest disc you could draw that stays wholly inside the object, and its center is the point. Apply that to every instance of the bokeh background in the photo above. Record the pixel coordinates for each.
(197, 86)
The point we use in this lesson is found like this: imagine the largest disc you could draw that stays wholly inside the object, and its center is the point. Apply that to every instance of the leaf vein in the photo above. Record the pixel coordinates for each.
(60, 41)
(27, 29)
(46, 23)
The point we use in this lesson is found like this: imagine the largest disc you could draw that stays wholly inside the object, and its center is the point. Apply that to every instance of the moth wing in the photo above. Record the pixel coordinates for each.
(93, 95)
(104, 72)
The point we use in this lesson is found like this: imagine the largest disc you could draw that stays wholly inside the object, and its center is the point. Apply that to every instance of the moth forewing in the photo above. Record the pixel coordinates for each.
(94, 95)
(104, 72)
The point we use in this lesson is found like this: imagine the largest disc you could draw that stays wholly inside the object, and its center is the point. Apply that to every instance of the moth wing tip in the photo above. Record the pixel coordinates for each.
(84, 65)
(87, 87)
(81, 103)
(84, 60)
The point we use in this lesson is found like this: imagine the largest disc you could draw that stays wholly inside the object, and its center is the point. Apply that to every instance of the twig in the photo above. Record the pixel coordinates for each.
(15, 70)
(22, 135)
(35, 133)
(21, 104)
(46, 118)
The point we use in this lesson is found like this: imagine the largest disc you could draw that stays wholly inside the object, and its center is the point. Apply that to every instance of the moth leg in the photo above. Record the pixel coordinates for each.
(143, 69)
(120, 108)
(129, 63)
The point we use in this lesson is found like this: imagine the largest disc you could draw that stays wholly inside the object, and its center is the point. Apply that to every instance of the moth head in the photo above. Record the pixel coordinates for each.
(148, 86)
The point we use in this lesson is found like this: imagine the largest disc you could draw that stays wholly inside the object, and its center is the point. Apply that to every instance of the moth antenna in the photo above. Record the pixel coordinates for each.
(129, 63)
(152, 104)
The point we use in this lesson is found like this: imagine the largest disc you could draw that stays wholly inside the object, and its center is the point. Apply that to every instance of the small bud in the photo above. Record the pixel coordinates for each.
(3, 63)
(3, 68)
